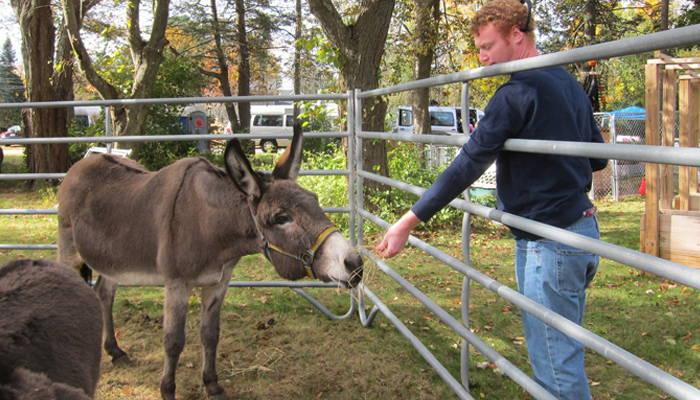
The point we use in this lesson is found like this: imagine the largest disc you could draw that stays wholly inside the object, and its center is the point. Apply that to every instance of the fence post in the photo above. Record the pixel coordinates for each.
(352, 170)
(650, 237)
(357, 121)
(108, 127)
(466, 294)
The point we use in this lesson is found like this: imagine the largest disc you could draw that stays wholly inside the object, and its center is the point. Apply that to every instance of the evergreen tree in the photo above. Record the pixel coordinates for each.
(11, 86)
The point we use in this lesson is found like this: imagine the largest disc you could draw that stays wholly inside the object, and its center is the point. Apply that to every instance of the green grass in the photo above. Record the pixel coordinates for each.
(275, 345)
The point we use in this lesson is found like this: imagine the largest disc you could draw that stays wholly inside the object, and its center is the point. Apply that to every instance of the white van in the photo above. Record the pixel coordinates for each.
(86, 115)
(279, 119)
(443, 120)
(273, 119)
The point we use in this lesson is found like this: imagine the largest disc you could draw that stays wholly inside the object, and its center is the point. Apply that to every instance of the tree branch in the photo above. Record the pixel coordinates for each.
(73, 20)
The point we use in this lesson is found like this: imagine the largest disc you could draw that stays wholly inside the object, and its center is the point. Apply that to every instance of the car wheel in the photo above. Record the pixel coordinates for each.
(268, 146)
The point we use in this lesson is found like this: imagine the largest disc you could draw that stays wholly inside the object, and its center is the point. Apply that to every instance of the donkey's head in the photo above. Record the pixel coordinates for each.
(297, 236)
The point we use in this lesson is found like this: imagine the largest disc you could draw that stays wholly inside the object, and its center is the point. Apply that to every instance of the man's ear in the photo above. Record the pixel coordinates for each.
(516, 34)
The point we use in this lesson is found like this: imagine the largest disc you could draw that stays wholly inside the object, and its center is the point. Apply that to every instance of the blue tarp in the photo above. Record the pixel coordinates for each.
(633, 112)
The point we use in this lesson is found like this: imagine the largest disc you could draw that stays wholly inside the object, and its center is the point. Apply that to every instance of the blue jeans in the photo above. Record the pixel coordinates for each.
(556, 276)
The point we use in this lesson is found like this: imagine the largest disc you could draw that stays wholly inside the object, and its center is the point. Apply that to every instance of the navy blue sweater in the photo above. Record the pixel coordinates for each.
(544, 104)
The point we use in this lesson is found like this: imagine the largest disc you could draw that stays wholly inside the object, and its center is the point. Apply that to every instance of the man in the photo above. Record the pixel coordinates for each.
(545, 104)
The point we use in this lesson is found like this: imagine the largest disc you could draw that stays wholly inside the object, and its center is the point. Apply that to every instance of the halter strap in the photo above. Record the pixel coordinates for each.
(306, 257)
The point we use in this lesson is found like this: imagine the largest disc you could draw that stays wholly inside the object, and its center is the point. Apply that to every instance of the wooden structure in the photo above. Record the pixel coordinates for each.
(670, 227)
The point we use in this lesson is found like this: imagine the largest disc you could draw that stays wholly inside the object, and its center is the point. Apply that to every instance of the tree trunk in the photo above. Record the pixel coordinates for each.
(297, 56)
(243, 64)
(38, 35)
(146, 57)
(360, 47)
(223, 76)
(427, 15)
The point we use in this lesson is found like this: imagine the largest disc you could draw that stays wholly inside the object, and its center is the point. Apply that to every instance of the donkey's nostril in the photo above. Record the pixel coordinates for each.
(353, 264)
(353, 261)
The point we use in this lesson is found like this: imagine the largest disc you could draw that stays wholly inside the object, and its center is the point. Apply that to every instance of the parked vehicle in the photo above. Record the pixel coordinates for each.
(443, 120)
(268, 120)
(86, 115)
(278, 119)
(13, 132)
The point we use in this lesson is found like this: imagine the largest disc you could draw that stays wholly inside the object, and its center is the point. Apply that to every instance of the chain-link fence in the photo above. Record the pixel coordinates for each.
(620, 179)
(623, 178)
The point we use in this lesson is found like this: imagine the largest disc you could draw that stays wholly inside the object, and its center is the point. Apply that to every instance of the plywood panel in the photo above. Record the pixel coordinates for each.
(679, 240)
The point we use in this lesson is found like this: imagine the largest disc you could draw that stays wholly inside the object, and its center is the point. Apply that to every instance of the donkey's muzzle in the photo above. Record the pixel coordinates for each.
(353, 264)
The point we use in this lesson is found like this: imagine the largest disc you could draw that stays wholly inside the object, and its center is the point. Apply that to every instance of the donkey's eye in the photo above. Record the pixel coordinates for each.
(282, 219)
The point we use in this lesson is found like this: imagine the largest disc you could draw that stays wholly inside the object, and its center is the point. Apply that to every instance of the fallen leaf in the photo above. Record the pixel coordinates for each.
(483, 365)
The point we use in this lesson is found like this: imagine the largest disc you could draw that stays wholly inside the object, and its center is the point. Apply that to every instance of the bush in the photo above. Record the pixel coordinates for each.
(332, 191)
(156, 155)
(404, 165)
(152, 155)
(77, 129)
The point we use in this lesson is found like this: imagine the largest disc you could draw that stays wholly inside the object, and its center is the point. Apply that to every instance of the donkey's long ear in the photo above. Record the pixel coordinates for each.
(290, 162)
(240, 171)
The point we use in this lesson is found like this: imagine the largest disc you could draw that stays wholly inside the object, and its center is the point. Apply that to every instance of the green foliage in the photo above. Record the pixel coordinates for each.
(315, 118)
(153, 155)
(626, 85)
(405, 165)
(156, 155)
(332, 191)
(11, 87)
(77, 129)
(690, 13)
(179, 77)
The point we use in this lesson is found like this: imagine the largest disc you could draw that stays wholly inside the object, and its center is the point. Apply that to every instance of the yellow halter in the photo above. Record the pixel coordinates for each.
(306, 257)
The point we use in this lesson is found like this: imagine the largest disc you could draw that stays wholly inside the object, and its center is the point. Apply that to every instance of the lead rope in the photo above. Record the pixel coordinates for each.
(255, 222)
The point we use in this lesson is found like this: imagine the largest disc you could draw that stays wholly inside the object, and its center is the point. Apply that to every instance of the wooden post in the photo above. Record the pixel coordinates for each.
(684, 141)
(670, 96)
(694, 127)
(650, 241)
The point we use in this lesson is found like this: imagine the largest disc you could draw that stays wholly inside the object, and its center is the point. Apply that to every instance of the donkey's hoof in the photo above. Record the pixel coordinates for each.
(220, 396)
(121, 360)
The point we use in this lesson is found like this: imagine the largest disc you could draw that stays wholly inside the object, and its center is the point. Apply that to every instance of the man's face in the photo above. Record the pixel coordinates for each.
(494, 47)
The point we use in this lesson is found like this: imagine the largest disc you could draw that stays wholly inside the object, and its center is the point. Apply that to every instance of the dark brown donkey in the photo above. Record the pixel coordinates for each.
(50, 332)
(187, 226)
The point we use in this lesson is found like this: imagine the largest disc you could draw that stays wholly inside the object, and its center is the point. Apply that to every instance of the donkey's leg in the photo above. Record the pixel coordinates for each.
(106, 289)
(212, 300)
(174, 316)
(67, 253)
